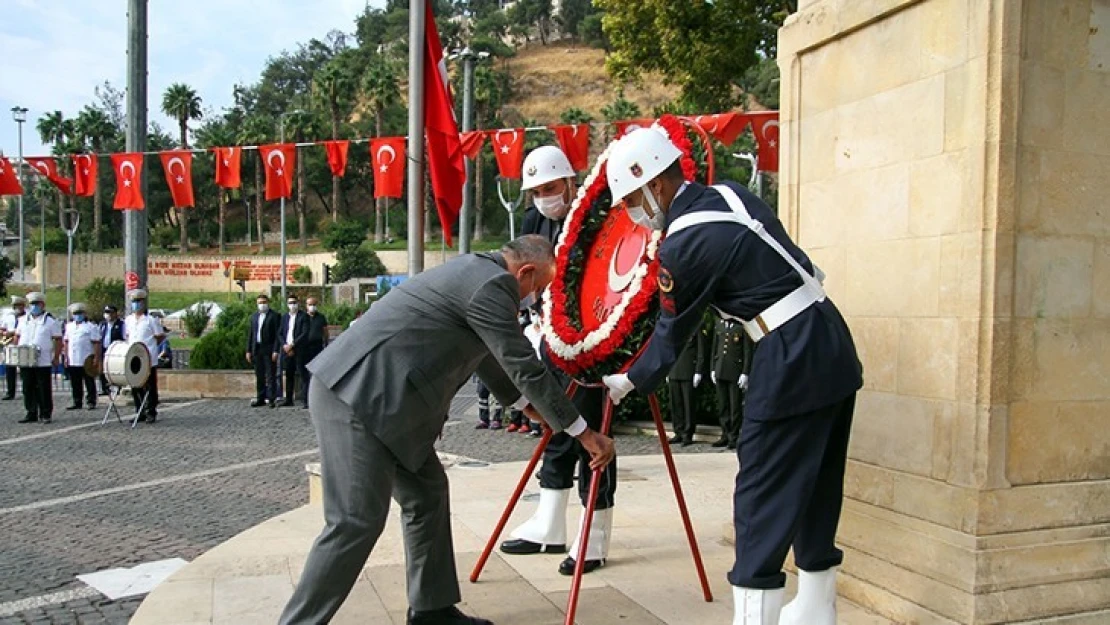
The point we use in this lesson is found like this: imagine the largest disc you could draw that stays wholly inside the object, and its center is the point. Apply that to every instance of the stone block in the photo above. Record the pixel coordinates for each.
(944, 34)
(926, 358)
(1042, 107)
(878, 416)
(1073, 191)
(876, 203)
(1085, 123)
(899, 125)
(1098, 37)
(893, 278)
(876, 340)
(1062, 359)
(832, 261)
(1054, 276)
(960, 275)
(1056, 32)
(1078, 449)
(938, 194)
(965, 102)
(817, 139)
(822, 214)
(1100, 282)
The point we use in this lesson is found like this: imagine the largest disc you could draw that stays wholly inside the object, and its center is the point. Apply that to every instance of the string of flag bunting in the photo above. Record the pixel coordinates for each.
(387, 158)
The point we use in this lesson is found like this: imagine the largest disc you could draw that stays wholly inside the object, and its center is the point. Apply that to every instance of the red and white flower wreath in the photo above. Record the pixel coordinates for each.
(608, 348)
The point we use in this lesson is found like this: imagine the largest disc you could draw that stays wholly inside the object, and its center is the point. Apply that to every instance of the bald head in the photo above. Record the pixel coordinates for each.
(531, 258)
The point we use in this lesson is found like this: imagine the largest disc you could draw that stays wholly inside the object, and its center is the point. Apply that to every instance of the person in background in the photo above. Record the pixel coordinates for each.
(111, 330)
(165, 352)
(7, 332)
(683, 379)
(292, 335)
(81, 340)
(139, 327)
(316, 339)
(262, 352)
(39, 329)
(489, 411)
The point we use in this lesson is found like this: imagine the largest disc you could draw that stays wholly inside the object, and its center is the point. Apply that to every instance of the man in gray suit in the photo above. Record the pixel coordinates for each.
(379, 396)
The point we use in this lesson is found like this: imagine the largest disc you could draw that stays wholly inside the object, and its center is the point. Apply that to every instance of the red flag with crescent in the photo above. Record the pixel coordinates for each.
(227, 167)
(765, 126)
(279, 159)
(129, 168)
(387, 155)
(508, 149)
(178, 165)
(337, 156)
(628, 125)
(84, 174)
(9, 181)
(724, 127)
(472, 142)
(575, 143)
(445, 156)
(48, 167)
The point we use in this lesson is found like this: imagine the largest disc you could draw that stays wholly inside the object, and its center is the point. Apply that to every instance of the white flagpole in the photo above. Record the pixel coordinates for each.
(416, 137)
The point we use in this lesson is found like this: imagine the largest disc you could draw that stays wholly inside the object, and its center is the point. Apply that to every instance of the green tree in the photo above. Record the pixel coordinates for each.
(181, 102)
(257, 130)
(380, 90)
(216, 133)
(53, 129)
(575, 115)
(95, 130)
(571, 15)
(655, 35)
(333, 89)
(620, 108)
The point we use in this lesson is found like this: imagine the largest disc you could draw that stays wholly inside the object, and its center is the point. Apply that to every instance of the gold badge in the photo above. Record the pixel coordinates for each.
(636, 170)
(666, 282)
(532, 170)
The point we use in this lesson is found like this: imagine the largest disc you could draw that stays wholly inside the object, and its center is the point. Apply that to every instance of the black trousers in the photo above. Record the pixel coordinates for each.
(789, 492)
(564, 452)
(682, 406)
(149, 391)
(306, 376)
(730, 406)
(11, 373)
(38, 396)
(265, 375)
(78, 381)
(294, 367)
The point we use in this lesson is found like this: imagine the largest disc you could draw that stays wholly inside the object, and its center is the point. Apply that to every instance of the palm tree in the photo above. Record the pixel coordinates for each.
(215, 134)
(53, 128)
(333, 88)
(301, 124)
(94, 128)
(380, 90)
(256, 131)
(181, 102)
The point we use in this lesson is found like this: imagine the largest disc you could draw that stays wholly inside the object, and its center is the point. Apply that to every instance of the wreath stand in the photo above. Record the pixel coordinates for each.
(595, 484)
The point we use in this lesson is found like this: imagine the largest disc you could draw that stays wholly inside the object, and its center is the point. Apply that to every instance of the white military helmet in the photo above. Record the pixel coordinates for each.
(544, 164)
(19, 301)
(35, 296)
(135, 294)
(638, 158)
(76, 307)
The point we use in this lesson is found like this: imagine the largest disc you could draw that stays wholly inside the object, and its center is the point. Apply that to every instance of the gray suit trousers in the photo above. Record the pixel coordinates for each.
(359, 476)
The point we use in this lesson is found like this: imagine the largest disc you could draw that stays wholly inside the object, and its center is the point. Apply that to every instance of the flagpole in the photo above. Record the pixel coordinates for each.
(135, 221)
(415, 147)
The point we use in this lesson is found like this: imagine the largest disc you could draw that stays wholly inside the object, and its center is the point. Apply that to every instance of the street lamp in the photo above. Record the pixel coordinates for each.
(281, 139)
(19, 114)
(468, 56)
(755, 183)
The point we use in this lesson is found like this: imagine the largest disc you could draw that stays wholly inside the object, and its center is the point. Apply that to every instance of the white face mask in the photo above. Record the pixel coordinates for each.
(312, 308)
(292, 308)
(640, 216)
(263, 308)
(552, 206)
(530, 299)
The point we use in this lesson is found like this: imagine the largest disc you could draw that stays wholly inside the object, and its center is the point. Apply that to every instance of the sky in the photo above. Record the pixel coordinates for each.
(53, 53)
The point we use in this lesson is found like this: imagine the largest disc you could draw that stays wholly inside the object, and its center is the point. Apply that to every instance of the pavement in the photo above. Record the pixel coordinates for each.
(78, 498)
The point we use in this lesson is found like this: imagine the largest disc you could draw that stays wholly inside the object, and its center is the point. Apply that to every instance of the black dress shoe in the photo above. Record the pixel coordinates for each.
(255, 403)
(687, 441)
(445, 616)
(521, 547)
(566, 567)
(287, 403)
(9, 397)
(677, 438)
(28, 419)
(721, 442)
(732, 445)
(73, 407)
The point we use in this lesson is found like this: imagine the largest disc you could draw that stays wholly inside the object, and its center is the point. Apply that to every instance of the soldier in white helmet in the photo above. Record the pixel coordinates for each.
(41, 331)
(7, 332)
(551, 180)
(140, 327)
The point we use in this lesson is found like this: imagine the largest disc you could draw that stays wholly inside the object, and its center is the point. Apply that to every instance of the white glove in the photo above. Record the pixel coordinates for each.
(713, 376)
(743, 383)
(619, 386)
(697, 379)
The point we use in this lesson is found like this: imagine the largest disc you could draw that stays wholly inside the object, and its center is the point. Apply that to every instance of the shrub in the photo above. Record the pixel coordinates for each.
(344, 234)
(356, 262)
(341, 314)
(165, 237)
(223, 348)
(102, 292)
(196, 320)
(302, 275)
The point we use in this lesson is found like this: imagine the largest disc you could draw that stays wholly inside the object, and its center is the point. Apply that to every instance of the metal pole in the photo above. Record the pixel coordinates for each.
(416, 137)
(42, 244)
(281, 132)
(135, 221)
(248, 205)
(467, 126)
(69, 272)
(22, 276)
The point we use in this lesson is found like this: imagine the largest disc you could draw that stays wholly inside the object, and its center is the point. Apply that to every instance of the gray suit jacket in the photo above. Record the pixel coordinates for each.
(399, 367)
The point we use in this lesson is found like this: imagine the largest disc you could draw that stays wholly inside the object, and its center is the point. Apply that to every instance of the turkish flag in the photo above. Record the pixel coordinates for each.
(227, 167)
(628, 125)
(129, 169)
(575, 142)
(508, 149)
(723, 127)
(337, 156)
(84, 174)
(280, 158)
(445, 155)
(472, 143)
(387, 155)
(765, 126)
(178, 165)
(49, 168)
(9, 181)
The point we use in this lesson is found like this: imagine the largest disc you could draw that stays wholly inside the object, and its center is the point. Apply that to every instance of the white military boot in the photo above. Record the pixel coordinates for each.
(815, 603)
(754, 606)
(597, 549)
(546, 531)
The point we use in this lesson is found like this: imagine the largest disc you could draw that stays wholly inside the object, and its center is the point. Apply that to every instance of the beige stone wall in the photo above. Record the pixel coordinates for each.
(945, 162)
(183, 273)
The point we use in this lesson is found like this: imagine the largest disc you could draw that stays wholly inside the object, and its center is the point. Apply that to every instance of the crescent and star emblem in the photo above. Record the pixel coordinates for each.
(228, 156)
(177, 160)
(618, 282)
(43, 167)
(281, 157)
(706, 127)
(87, 161)
(392, 157)
(505, 146)
(127, 179)
(763, 130)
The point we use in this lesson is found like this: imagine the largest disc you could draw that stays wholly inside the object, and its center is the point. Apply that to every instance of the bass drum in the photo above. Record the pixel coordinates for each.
(127, 365)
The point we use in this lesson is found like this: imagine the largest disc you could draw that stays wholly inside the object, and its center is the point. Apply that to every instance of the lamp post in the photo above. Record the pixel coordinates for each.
(19, 114)
(281, 139)
(468, 56)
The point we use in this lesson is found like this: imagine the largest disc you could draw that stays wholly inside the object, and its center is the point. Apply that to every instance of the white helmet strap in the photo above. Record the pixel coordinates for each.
(649, 197)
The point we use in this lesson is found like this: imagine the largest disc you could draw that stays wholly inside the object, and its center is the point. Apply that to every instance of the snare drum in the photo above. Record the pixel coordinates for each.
(21, 356)
(127, 365)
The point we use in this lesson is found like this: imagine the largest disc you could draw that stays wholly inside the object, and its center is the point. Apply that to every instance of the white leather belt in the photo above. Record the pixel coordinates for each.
(786, 308)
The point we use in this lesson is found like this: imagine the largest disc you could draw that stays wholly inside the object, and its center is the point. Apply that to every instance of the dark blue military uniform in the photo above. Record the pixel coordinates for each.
(802, 386)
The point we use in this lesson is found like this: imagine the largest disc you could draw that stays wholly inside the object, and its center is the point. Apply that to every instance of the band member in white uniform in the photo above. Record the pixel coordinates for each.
(40, 330)
(139, 327)
(82, 339)
(7, 332)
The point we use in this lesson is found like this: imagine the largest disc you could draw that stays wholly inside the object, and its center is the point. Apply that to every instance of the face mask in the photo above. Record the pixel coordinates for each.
(36, 309)
(136, 306)
(79, 317)
(312, 309)
(19, 312)
(659, 220)
(530, 299)
(263, 308)
(552, 206)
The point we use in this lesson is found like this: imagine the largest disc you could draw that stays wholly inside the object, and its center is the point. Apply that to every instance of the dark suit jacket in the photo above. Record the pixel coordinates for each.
(316, 332)
(399, 367)
(691, 360)
(732, 351)
(300, 330)
(111, 332)
(269, 332)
